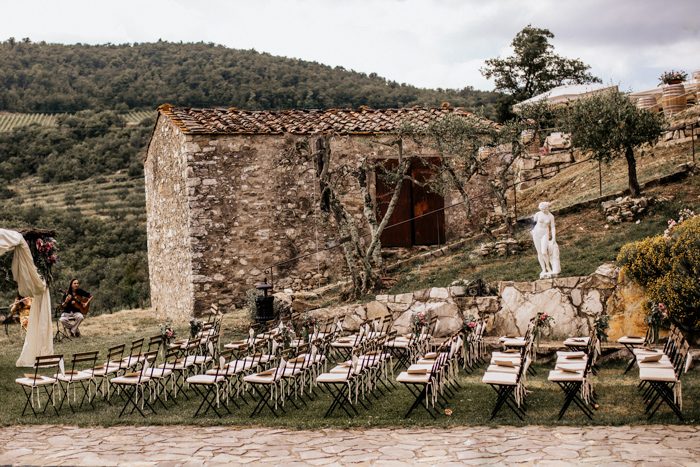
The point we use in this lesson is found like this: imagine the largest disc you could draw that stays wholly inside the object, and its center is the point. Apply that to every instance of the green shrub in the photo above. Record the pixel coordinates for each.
(668, 267)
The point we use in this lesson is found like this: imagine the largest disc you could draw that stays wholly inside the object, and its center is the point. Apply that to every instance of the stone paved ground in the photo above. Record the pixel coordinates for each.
(177, 445)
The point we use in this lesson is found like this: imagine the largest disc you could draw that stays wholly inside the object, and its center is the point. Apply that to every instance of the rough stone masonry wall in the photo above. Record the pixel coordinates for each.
(573, 302)
(253, 204)
(169, 254)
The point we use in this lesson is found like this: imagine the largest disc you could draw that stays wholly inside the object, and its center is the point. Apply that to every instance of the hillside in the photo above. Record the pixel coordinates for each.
(54, 78)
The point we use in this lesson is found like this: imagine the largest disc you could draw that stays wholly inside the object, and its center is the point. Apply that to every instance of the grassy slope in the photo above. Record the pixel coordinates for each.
(618, 397)
(584, 240)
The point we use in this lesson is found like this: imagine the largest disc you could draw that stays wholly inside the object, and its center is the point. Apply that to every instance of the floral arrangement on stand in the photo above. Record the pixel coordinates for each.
(469, 325)
(543, 321)
(601, 326)
(285, 335)
(167, 332)
(419, 321)
(673, 77)
(657, 316)
(308, 324)
(195, 327)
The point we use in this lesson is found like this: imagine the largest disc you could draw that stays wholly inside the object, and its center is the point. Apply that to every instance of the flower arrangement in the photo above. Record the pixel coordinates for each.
(658, 314)
(195, 327)
(673, 77)
(542, 321)
(308, 324)
(683, 215)
(601, 326)
(419, 320)
(285, 335)
(45, 253)
(470, 324)
(167, 332)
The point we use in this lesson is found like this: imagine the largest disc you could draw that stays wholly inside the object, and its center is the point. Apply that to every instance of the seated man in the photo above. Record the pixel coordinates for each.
(75, 304)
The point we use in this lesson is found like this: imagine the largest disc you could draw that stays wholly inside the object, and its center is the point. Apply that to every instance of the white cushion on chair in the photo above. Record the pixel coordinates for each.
(657, 374)
(405, 377)
(577, 341)
(332, 377)
(503, 369)
(158, 372)
(129, 380)
(564, 353)
(259, 379)
(205, 379)
(41, 381)
(78, 376)
(558, 375)
(501, 378)
(631, 340)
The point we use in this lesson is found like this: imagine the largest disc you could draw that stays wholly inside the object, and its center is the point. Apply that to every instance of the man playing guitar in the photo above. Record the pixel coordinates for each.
(75, 304)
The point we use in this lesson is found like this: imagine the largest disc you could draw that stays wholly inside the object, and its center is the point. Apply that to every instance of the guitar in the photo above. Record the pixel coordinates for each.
(81, 304)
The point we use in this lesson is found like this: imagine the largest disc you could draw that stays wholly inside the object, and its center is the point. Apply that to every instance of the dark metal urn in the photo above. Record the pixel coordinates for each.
(264, 304)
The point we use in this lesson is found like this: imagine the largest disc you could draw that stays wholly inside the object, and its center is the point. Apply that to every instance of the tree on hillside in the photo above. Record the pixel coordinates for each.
(474, 153)
(41, 77)
(608, 125)
(534, 68)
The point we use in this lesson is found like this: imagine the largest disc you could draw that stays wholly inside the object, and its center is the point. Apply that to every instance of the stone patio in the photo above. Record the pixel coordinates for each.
(188, 445)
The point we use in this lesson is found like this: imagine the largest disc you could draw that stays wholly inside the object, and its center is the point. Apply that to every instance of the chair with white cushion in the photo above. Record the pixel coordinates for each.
(33, 383)
(134, 384)
(665, 383)
(76, 376)
(212, 386)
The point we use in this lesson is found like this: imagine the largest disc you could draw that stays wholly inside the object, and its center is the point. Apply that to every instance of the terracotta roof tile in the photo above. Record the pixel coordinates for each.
(273, 122)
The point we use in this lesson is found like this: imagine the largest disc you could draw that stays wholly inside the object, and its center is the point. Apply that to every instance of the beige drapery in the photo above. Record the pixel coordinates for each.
(39, 339)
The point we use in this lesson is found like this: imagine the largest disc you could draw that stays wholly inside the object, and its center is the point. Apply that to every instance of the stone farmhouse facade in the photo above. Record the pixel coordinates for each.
(226, 199)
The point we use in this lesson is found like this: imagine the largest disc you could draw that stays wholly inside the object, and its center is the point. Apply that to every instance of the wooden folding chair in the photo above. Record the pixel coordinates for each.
(131, 383)
(75, 376)
(31, 384)
(212, 387)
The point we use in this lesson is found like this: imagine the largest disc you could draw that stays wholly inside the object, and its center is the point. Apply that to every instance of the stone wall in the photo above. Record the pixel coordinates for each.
(169, 252)
(532, 168)
(573, 302)
(250, 202)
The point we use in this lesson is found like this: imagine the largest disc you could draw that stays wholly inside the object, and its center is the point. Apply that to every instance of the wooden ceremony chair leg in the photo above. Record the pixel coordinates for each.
(29, 394)
(420, 392)
(665, 394)
(49, 397)
(505, 396)
(341, 398)
(263, 402)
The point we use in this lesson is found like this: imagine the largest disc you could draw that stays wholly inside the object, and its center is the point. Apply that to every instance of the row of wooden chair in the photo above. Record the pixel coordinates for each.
(660, 372)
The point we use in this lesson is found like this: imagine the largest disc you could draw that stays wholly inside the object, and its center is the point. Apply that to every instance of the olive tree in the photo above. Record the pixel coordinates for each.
(609, 125)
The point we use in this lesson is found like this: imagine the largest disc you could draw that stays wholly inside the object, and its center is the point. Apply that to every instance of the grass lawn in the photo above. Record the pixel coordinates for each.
(620, 403)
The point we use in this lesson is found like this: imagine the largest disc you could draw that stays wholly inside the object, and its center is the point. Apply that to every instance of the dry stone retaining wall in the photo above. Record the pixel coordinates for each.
(573, 302)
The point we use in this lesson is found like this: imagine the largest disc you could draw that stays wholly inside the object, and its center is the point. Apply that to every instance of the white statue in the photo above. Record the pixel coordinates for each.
(544, 235)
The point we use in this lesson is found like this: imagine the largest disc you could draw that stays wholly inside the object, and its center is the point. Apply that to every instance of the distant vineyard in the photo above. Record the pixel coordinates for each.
(137, 116)
(10, 121)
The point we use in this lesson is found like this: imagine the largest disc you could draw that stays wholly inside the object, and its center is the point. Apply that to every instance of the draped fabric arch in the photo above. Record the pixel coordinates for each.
(39, 339)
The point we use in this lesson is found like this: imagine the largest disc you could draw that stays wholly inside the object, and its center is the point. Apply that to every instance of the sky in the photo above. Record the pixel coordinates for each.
(426, 43)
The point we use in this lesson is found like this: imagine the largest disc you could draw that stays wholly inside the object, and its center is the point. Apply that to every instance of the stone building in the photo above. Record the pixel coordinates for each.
(227, 199)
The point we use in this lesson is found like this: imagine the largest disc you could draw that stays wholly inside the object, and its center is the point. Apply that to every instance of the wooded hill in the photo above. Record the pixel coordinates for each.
(55, 78)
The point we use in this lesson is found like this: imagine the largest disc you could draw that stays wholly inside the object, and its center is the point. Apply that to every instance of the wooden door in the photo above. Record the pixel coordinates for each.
(418, 218)
(428, 213)
(400, 234)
